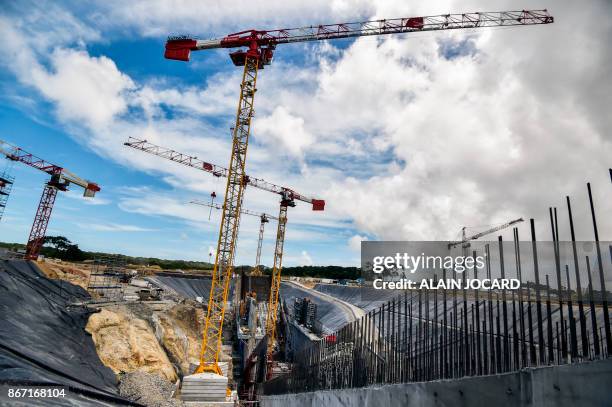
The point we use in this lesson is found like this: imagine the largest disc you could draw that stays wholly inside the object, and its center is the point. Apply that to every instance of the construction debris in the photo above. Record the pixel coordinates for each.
(148, 389)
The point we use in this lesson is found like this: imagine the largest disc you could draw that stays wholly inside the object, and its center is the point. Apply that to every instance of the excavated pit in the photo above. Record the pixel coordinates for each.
(105, 353)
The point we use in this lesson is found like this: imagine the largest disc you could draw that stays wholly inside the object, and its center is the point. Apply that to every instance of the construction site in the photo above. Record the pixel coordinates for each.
(108, 330)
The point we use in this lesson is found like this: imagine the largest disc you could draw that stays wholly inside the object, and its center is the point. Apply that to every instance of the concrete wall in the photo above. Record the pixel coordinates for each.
(587, 384)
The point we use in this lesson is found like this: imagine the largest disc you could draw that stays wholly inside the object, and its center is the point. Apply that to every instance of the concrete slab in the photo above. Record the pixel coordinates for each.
(204, 387)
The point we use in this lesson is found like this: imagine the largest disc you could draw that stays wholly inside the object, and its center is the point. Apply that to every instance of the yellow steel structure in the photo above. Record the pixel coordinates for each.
(230, 220)
(276, 276)
(262, 225)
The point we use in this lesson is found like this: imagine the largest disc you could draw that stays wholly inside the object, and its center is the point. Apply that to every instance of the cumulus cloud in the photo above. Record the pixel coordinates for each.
(285, 132)
(155, 18)
(84, 88)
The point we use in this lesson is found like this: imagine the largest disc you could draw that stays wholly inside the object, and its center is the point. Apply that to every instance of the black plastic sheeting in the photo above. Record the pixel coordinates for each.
(43, 339)
(373, 299)
(188, 287)
(329, 313)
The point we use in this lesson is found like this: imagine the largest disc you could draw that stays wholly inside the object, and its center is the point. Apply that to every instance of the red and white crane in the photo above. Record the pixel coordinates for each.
(60, 180)
(218, 171)
(256, 50)
(261, 43)
(228, 235)
(466, 239)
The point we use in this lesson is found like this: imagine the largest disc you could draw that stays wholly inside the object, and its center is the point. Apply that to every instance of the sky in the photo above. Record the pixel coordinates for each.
(406, 137)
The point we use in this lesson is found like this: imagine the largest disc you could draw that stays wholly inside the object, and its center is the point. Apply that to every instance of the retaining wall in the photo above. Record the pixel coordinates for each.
(586, 384)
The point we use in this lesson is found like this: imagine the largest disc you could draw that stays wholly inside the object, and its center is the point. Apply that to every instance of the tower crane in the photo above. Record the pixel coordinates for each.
(60, 180)
(263, 219)
(260, 46)
(220, 281)
(465, 239)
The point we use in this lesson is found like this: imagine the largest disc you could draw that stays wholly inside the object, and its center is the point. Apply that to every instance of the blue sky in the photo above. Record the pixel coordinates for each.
(404, 137)
(30, 120)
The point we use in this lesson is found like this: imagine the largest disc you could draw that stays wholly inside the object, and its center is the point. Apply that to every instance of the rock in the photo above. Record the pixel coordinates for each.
(179, 330)
(126, 343)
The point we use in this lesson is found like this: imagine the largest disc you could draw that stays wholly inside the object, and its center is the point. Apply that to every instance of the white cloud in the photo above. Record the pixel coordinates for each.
(96, 201)
(305, 260)
(284, 132)
(113, 227)
(159, 18)
(151, 203)
(401, 141)
(84, 88)
(355, 242)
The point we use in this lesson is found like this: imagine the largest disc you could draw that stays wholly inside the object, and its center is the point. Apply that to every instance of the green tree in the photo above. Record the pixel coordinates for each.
(62, 248)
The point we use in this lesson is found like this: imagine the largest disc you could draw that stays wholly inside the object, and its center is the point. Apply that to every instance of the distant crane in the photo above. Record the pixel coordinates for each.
(260, 46)
(220, 287)
(6, 185)
(263, 219)
(60, 181)
(466, 239)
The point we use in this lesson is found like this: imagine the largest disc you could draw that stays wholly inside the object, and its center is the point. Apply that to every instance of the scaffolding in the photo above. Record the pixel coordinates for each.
(6, 185)
(106, 278)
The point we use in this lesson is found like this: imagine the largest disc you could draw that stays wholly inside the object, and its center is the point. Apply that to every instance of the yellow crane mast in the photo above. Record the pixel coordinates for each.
(230, 219)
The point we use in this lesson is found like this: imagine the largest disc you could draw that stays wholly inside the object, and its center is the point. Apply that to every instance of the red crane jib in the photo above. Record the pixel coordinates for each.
(180, 48)
(261, 43)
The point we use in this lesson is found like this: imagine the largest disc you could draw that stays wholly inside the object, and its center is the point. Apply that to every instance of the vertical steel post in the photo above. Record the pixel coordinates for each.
(602, 280)
(572, 321)
(549, 323)
(537, 288)
(581, 315)
(504, 307)
(532, 349)
(593, 311)
(555, 232)
(517, 251)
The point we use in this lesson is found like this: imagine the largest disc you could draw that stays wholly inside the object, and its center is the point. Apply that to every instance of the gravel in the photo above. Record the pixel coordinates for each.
(148, 389)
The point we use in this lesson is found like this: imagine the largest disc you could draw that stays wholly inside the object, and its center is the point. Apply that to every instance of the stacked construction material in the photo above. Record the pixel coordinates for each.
(305, 312)
(204, 387)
